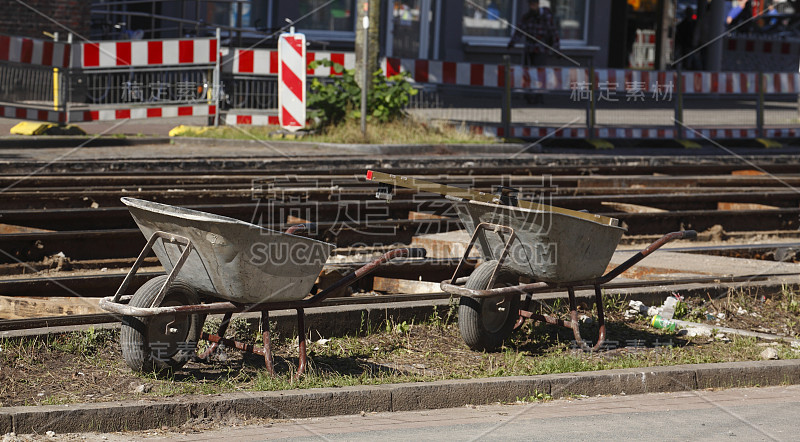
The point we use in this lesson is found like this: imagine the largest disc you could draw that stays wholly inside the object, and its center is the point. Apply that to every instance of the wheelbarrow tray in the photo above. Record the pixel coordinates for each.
(233, 259)
(550, 246)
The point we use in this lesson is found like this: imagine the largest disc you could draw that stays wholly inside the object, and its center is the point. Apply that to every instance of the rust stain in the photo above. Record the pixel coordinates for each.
(644, 272)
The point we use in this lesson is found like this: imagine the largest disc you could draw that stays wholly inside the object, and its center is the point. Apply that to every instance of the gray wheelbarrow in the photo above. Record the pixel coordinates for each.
(234, 266)
(526, 248)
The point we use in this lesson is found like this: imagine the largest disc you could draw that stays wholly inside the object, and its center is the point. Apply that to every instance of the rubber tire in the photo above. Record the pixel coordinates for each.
(479, 332)
(137, 333)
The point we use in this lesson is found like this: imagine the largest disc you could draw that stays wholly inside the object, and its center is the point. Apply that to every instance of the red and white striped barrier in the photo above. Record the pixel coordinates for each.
(567, 79)
(292, 81)
(556, 79)
(770, 47)
(232, 119)
(108, 54)
(32, 114)
(141, 113)
(629, 133)
(446, 72)
(35, 52)
(643, 53)
(561, 79)
(265, 62)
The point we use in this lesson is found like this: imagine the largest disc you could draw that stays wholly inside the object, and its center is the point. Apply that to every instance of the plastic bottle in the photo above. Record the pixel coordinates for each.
(668, 311)
(659, 322)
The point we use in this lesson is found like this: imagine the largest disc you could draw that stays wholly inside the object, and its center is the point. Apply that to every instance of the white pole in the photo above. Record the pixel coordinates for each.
(216, 81)
(365, 64)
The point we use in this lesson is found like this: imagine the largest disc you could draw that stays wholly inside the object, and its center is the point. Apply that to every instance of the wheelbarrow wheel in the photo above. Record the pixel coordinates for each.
(161, 343)
(486, 322)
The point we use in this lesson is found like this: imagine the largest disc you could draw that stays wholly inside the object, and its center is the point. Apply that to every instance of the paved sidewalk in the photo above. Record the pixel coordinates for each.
(684, 415)
(318, 402)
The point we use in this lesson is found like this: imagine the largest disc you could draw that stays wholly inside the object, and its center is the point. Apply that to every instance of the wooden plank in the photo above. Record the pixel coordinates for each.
(404, 286)
(10, 228)
(422, 215)
(747, 172)
(16, 307)
(459, 194)
(631, 208)
(445, 245)
(745, 206)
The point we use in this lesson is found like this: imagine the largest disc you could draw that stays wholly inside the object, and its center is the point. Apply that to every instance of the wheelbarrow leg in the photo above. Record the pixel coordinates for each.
(223, 328)
(301, 344)
(601, 319)
(267, 342)
(526, 307)
(575, 323)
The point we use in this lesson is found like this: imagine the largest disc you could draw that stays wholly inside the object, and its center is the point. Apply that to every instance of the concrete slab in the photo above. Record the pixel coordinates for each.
(741, 374)
(6, 423)
(691, 263)
(446, 394)
(103, 417)
(294, 403)
(629, 381)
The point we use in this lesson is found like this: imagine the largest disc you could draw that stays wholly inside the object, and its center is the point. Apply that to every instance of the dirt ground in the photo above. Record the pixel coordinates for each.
(88, 366)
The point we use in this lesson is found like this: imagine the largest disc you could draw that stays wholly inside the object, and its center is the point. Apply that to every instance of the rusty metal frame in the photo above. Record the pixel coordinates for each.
(496, 228)
(164, 236)
(452, 287)
(118, 302)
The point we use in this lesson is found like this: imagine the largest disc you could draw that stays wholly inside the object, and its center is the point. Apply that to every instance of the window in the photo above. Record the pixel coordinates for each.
(488, 18)
(488, 21)
(338, 16)
(254, 14)
(571, 16)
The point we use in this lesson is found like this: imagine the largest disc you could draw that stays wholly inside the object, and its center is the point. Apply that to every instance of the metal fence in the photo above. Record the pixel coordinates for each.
(563, 102)
(35, 86)
(141, 86)
(133, 79)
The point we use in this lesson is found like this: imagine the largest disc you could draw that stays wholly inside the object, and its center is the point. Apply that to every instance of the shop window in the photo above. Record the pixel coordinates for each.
(489, 21)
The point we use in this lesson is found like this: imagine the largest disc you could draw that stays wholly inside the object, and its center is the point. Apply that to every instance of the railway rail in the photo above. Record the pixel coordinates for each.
(72, 207)
(102, 318)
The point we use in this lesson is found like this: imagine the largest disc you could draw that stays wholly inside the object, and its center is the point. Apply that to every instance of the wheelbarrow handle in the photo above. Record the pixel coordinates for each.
(352, 277)
(683, 234)
(300, 228)
(416, 252)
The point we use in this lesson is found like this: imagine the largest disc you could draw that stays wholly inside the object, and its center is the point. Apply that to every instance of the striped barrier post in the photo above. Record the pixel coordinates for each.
(292, 81)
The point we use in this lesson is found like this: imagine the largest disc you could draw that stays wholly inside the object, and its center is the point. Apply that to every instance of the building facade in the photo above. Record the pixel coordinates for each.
(452, 30)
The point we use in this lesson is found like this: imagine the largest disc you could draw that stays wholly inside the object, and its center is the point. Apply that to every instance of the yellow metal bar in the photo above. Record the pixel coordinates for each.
(457, 193)
(55, 89)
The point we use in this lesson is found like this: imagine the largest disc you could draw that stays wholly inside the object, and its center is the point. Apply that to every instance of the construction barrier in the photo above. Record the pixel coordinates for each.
(627, 133)
(112, 80)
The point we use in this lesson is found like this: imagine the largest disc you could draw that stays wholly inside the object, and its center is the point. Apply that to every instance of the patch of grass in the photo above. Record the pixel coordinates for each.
(614, 302)
(405, 131)
(392, 352)
(536, 396)
(789, 300)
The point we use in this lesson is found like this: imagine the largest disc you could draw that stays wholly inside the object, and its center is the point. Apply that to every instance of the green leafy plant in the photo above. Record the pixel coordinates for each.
(681, 310)
(332, 102)
(537, 396)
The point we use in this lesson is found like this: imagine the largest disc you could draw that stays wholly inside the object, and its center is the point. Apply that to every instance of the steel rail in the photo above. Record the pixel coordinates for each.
(544, 293)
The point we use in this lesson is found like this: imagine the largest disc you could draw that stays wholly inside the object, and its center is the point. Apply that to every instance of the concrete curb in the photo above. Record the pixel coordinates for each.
(360, 149)
(145, 414)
